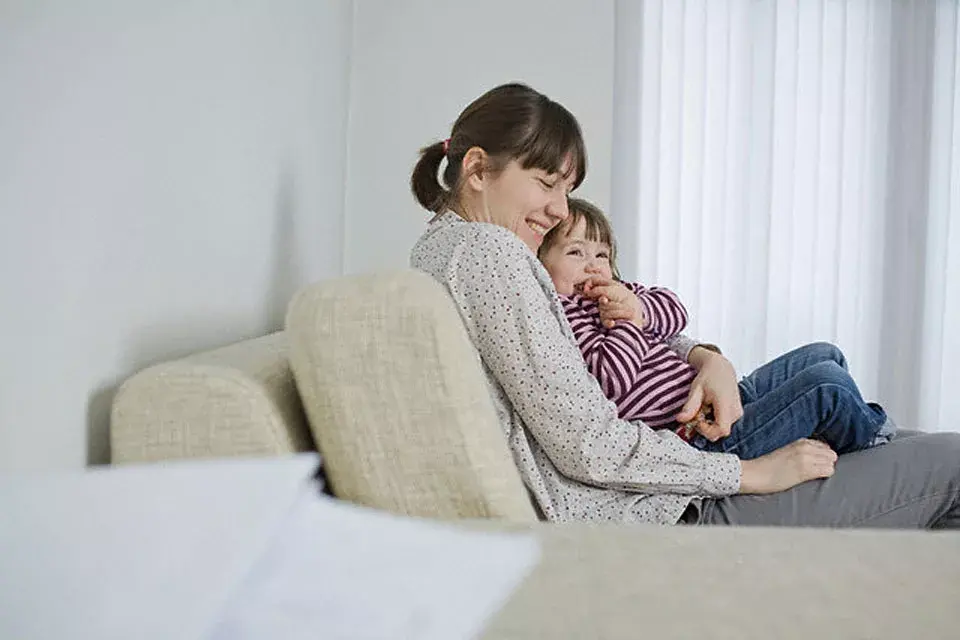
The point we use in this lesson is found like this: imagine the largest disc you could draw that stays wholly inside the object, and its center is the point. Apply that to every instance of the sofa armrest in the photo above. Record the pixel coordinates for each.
(240, 400)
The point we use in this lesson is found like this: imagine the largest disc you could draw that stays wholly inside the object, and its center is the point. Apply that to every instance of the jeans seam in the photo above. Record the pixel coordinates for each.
(911, 502)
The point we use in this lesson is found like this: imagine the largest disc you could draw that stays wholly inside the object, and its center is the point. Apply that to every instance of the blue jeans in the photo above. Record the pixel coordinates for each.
(806, 393)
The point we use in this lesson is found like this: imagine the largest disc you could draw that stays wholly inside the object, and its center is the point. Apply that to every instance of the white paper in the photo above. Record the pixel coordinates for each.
(236, 549)
(339, 571)
(145, 552)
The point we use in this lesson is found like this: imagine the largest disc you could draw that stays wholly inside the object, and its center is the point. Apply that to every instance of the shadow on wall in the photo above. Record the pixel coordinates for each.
(186, 336)
(154, 346)
(98, 417)
(287, 272)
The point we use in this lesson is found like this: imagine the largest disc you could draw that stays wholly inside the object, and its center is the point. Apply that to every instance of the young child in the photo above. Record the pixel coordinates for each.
(806, 393)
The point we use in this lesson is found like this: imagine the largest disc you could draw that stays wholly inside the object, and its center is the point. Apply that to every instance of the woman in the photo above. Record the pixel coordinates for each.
(511, 161)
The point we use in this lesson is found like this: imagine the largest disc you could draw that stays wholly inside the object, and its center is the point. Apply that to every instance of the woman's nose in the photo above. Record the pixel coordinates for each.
(558, 208)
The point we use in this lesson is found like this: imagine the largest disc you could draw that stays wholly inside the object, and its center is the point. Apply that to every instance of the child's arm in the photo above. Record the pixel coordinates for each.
(614, 356)
(666, 315)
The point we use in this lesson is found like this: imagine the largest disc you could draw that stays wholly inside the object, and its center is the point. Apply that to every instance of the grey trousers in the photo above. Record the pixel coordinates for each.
(912, 482)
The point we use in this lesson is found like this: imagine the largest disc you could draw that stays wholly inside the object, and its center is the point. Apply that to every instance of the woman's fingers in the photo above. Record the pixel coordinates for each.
(787, 467)
(719, 381)
(711, 430)
(725, 415)
(818, 457)
(692, 406)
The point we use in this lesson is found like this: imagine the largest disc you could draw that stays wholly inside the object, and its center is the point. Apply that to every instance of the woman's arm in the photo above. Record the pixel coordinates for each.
(787, 467)
(779, 470)
(509, 318)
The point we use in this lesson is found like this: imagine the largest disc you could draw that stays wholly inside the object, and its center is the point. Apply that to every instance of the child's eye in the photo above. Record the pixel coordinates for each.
(604, 255)
(574, 252)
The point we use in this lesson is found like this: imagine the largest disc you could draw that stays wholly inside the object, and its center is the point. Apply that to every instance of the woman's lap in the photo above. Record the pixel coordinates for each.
(913, 482)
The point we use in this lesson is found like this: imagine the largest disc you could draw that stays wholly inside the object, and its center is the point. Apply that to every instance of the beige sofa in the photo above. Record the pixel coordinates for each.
(378, 372)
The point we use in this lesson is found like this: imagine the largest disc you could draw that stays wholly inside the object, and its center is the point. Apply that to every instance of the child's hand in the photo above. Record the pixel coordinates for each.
(616, 302)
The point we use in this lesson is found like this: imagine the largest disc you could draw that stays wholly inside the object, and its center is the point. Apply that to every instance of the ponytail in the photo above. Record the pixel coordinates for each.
(509, 122)
(425, 182)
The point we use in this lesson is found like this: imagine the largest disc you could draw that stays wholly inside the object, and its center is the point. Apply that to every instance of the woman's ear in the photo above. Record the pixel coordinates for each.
(473, 168)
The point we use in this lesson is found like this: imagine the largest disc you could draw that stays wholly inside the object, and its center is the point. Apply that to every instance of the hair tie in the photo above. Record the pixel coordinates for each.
(446, 146)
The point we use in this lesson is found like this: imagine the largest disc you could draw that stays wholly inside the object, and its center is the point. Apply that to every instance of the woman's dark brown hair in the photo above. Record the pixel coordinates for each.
(597, 229)
(509, 122)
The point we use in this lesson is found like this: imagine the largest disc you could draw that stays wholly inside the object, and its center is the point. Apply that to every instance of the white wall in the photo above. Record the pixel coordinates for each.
(417, 63)
(169, 173)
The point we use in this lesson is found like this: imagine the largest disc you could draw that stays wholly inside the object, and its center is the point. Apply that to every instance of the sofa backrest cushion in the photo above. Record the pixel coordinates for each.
(396, 399)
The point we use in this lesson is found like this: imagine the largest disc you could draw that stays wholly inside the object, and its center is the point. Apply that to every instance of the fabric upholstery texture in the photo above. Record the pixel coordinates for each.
(647, 581)
(397, 400)
(236, 401)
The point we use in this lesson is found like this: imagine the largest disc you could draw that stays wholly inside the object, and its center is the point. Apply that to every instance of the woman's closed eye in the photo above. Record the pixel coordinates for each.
(547, 184)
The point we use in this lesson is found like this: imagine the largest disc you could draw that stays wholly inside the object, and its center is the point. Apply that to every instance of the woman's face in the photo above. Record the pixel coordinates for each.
(528, 202)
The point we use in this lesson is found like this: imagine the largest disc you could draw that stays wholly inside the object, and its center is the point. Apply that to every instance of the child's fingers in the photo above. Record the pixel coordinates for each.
(602, 290)
(613, 311)
(591, 283)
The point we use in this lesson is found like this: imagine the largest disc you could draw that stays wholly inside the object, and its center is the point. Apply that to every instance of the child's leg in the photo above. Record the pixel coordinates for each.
(773, 374)
(821, 400)
(777, 371)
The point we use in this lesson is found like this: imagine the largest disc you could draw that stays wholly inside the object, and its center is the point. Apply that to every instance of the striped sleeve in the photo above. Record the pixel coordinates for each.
(666, 315)
(614, 356)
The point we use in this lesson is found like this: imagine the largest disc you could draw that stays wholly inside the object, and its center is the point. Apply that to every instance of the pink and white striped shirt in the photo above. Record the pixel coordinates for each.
(634, 366)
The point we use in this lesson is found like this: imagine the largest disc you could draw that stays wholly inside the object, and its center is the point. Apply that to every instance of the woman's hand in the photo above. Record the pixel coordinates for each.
(616, 302)
(715, 386)
(787, 467)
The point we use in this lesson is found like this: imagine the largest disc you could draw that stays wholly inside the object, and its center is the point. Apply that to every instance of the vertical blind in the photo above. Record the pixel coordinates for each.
(790, 168)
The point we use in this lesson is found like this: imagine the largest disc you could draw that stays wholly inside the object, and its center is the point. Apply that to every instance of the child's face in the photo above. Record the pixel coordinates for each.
(573, 259)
